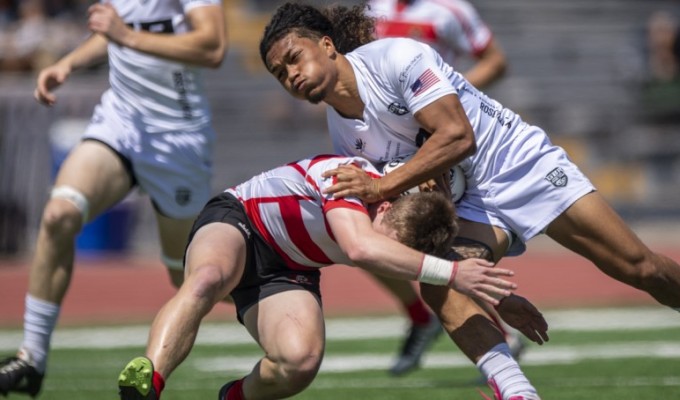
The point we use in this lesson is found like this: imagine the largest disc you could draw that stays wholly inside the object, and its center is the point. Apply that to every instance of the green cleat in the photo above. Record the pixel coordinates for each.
(135, 382)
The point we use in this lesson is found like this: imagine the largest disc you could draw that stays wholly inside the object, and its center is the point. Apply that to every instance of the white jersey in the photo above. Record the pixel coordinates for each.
(287, 207)
(452, 27)
(167, 95)
(396, 78)
(515, 165)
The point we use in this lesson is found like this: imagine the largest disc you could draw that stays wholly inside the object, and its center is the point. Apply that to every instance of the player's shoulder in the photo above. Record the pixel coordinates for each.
(389, 56)
(391, 47)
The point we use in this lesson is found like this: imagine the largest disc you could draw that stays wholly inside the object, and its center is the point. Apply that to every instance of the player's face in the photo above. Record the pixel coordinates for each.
(303, 66)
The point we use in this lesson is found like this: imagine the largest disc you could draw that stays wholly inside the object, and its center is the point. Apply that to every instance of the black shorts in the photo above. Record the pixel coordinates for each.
(265, 272)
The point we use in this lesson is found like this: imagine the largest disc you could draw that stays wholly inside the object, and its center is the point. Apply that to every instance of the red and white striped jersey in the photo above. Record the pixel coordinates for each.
(452, 27)
(287, 207)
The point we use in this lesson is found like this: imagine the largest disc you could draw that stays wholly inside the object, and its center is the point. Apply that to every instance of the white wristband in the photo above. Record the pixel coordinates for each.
(437, 271)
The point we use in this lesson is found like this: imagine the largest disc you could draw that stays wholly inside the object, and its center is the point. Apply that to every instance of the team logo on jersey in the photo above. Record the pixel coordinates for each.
(403, 76)
(360, 145)
(396, 108)
(182, 196)
(557, 177)
(425, 81)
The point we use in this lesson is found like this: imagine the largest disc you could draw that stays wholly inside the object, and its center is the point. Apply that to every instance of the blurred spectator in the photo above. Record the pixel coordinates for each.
(34, 39)
(7, 13)
(662, 39)
(661, 95)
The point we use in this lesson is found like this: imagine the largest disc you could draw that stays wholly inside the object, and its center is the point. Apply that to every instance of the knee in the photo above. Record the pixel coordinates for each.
(61, 220)
(298, 367)
(205, 284)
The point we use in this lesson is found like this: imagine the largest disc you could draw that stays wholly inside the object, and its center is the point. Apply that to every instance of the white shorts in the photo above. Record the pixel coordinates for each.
(173, 167)
(531, 184)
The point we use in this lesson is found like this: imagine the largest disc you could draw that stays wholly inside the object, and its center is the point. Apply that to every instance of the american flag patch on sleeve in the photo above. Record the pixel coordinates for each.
(425, 81)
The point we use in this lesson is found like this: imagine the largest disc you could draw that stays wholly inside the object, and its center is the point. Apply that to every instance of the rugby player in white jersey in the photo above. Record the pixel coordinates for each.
(385, 97)
(263, 243)
(151, 129)
(455, 29)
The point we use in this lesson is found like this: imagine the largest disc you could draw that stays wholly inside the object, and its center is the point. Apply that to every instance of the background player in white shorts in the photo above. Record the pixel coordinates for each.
(387, 96)
(264, 242)
(152, 129)
(455, 29)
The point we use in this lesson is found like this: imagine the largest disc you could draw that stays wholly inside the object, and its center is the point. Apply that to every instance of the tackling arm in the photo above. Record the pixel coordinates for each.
(380, 254)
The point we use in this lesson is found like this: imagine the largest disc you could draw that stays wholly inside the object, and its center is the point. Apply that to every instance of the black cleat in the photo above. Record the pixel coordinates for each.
(18, 375)
(419, 339)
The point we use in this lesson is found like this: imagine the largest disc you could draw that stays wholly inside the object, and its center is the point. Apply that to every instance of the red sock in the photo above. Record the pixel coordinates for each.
(235, 392)
(418, 312)
(158, 383)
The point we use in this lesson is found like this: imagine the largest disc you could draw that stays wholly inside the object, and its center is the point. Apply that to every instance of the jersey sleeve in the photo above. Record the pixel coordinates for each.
(417, 73)
(191, 4)
(321, 164)
(464, 31)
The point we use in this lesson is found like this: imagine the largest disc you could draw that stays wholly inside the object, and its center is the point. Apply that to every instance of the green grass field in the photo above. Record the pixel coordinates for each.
(618, 363)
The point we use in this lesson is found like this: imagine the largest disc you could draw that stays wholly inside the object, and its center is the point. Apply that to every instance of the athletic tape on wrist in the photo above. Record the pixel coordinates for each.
(437, 271)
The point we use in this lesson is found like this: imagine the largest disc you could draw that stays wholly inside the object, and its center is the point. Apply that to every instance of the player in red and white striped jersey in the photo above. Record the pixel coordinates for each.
(264, 241)
(453, 27)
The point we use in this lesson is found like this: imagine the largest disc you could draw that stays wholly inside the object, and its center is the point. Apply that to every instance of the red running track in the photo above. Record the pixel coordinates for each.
(128, 289)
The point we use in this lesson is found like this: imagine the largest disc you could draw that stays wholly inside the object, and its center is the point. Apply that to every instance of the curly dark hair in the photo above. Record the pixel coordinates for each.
(348, 27)
(424, 221)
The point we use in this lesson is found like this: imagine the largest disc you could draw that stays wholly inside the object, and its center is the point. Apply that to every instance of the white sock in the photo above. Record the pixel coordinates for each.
(40, 319)
(499, 366)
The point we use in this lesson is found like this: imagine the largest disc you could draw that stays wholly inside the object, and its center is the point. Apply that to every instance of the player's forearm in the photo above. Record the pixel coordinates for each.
(490, 67)
(437, 155)
(205, 45)
(91, 52)
(191, 48)
(484, 74)
(381, 255)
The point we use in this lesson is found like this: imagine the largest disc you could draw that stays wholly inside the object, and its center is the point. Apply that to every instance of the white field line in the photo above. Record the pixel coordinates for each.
(545, 355)
(348, 329)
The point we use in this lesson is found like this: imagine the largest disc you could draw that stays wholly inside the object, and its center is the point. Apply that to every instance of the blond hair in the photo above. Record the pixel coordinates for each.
(424, 221)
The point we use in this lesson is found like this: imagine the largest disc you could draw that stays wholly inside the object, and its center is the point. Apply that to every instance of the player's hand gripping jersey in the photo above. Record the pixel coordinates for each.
(287, 208)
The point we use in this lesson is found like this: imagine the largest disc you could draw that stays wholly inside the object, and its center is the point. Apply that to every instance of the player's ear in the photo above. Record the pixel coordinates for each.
(327, 44)
(384, 206)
